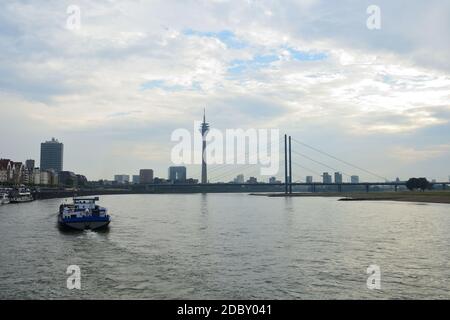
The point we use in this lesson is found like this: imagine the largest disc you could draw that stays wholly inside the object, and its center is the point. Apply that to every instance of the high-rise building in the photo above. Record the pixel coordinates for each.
(135, 179)
(122, 178)
(146, 176)
(52, 153)
(327, 178)
(29, 165)
(354, 179)
(177, 174)
(309, 179)
(204, 129)
(337, 177)
(239, 179)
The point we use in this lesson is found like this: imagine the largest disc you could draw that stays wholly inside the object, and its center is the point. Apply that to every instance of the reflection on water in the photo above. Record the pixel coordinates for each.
(229, 246)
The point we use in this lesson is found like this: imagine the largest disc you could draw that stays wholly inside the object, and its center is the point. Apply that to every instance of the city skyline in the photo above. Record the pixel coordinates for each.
(324, 177)
(382, 104)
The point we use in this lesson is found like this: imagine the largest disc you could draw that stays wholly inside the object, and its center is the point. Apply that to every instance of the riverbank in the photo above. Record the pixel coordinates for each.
(81, 193)
(158, 189)
(408, 196)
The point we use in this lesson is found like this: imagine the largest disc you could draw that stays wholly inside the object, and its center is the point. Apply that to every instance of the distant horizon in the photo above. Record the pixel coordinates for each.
(197, 171)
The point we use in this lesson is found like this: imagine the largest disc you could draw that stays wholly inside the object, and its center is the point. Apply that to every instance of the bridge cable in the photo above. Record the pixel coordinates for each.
(343, 161)
(321, 163)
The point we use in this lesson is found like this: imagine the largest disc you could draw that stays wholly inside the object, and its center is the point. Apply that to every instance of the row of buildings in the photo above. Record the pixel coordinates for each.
(176, 174)
(17, 173)
(50, 172)
(327, 178)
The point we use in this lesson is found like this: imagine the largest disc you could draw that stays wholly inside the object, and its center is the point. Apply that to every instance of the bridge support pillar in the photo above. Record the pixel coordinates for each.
(396, 188)
(285, 166)
(290, 166)
(444, 186)
(339, 187)
(367, 188)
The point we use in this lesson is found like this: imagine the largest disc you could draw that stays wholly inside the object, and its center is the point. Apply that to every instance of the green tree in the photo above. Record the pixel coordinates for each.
(418, 183)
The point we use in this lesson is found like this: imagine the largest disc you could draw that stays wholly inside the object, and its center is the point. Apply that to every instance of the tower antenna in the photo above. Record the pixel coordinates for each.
(204, 129)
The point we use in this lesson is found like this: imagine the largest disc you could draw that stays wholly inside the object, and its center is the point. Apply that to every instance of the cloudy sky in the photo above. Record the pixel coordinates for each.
(115, 89)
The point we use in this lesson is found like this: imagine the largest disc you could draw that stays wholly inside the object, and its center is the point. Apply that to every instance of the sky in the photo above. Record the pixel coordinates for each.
(114, 89)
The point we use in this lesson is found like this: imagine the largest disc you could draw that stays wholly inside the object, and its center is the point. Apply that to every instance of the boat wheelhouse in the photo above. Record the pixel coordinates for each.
(82, 214)
(20, 195)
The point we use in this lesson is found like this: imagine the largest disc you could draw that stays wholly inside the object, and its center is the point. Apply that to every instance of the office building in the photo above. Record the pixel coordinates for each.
(29, 165)
(52, 153)
(177, 174)
(146, 176)
(239, 179)
(337, 177)
(327, 178)
(135, 179)
(309, 179)
(354, 179)
(122, 178)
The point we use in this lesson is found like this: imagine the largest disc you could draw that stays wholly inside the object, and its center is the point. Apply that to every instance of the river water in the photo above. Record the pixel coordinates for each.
(229, 246)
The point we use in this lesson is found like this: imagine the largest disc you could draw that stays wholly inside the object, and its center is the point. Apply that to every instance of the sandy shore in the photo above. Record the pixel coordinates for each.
(428, 196)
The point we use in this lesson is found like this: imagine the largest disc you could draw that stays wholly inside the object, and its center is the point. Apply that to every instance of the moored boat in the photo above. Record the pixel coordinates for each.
(20, 195)
(83, 214)
(4, 198)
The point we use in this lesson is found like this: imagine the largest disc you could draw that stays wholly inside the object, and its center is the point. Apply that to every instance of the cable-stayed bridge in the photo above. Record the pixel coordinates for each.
(292, 162)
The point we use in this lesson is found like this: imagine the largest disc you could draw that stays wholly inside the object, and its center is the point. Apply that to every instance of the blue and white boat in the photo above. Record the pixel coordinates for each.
(83, 214)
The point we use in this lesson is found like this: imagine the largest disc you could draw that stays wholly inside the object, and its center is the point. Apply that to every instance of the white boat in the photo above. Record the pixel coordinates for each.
(4, 198)
(82, 214)
(20, 195)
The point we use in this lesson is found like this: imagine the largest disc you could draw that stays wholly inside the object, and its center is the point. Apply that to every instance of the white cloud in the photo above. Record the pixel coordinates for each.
(412, 154)
(132, 66)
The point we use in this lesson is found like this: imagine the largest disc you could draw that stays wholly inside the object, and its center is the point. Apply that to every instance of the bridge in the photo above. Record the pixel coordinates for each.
(221, 172)
(274, 187)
